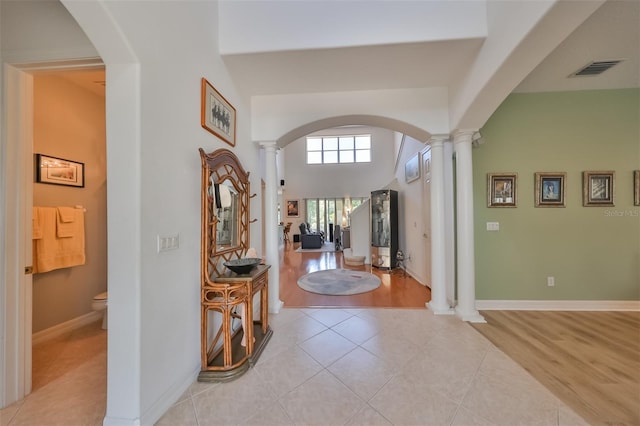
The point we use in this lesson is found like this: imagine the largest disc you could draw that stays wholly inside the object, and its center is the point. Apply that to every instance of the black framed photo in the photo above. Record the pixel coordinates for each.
(598, 188)
(502, 189)
(58, 171)
(549, 189)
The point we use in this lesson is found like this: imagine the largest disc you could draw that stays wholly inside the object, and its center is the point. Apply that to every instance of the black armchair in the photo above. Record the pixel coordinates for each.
(310, 239)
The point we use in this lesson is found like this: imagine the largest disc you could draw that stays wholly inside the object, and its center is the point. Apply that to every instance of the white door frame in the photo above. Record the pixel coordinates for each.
(15, 285)
(15, 371)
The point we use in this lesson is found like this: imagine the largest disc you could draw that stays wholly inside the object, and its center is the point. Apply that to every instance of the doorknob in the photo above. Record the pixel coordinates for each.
(28, 270)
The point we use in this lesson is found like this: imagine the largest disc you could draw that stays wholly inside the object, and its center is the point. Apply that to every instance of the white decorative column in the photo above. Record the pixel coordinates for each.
(272, 256)
(466, 308)
(438, 303)
(450, 229)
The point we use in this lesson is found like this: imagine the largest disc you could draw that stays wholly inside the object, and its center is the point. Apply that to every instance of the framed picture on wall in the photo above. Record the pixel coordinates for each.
(293, 208)
(217, 115)
(549, 189)
(598, 188)
(502, 189)
(412, 168)
(58, 171)
(636, 187)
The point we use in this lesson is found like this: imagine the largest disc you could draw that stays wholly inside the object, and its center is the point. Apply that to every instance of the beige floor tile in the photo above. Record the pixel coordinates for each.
(287, 371)
(233, 401)
(330, 317)
(394, 349)
(327, 347)
(509, 403)
(8, 413)
(272, 416)
(467, 418)
(288, 335)
(322, 400)
(362, 372)
(381, 367)
(181, 414)
(405, 403)
(367, 416)
(356, 329)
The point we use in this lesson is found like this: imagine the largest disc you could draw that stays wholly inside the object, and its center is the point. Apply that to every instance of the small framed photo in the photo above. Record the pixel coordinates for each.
(502, 189)
(293, 208)
(412, 168)
(598, 188)
(549, 189)
(636, 187)
(58, 171)
(217, 115)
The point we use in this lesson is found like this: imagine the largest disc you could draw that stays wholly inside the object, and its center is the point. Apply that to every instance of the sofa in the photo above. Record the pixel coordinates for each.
(310, 239)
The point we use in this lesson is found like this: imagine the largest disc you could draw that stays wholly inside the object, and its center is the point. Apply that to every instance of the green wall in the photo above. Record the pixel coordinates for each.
(593, 252)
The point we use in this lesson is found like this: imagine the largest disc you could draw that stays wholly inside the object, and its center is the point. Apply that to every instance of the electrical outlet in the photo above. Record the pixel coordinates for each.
(551, 281)
(493, 226)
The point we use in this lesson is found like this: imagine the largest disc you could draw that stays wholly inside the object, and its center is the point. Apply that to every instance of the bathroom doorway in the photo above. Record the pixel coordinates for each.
(61, 114)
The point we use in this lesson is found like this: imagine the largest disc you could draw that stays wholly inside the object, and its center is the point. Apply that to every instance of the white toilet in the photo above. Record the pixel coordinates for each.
(100, 304)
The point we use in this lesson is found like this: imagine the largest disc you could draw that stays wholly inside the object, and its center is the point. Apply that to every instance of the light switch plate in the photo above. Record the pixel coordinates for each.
(493, 226)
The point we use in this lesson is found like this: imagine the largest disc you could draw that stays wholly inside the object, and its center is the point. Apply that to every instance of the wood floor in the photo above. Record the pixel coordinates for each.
(395, 291)
(589, 360)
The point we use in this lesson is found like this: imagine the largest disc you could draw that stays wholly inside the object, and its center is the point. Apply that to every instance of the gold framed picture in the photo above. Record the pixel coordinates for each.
(502, 189)
(549, 189)
(217, 115)
(598, 188)
(636, 187)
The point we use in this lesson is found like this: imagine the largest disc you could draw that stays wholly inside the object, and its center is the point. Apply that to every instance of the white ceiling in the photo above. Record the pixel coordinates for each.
(612, 32)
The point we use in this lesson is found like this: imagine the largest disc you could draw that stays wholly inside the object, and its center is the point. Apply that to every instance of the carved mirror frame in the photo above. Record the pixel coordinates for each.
(218, 167)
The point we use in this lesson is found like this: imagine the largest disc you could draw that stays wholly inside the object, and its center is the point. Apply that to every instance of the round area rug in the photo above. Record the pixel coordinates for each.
(339, 282)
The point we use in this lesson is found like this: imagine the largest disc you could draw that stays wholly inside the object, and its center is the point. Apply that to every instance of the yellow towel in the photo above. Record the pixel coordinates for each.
(51, 252)
(36, 221)
(65, 225)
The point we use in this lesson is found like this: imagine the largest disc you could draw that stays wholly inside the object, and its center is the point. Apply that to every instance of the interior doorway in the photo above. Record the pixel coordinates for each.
(60, 307)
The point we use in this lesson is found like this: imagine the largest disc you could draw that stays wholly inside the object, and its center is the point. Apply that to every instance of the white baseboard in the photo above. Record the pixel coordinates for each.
(558, 305)
(57, 330)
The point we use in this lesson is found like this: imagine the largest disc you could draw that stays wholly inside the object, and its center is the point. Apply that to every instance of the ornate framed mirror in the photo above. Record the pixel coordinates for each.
(225, 210)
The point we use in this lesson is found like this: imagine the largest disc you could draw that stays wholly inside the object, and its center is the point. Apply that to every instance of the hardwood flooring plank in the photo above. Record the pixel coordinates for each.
(590, 360)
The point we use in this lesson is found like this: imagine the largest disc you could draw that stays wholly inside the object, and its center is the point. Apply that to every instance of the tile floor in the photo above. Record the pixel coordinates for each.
(327, 367)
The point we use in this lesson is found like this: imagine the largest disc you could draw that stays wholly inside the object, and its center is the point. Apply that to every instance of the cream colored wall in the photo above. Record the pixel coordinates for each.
(69, 123)
(593, 252)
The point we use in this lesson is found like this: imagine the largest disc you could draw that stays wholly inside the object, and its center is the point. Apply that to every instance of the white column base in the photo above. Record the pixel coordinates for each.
(473, 316)
(439, 310)
(274, 308)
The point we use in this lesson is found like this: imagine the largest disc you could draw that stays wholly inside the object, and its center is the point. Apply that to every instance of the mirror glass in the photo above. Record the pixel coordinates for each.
(227, 215)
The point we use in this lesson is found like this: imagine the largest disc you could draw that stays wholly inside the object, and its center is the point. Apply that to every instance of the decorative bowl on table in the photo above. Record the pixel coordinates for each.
(242, 266)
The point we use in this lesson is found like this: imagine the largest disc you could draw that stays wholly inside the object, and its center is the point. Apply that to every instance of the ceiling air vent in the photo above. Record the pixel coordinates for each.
(596, 68)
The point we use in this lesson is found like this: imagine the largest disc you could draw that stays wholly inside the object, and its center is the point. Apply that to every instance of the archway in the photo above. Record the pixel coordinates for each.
(355, 119)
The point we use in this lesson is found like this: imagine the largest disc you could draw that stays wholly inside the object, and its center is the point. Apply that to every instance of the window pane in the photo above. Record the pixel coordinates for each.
(330, 157)
(363, 156)
(314, 144)
(346, 156)
(346, 142)
(314, 157)
(363, 142)
(330, 144)
(321, 226)
(312, 210)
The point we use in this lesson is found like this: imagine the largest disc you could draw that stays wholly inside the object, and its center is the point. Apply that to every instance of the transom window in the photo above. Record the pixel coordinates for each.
(339, 149)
